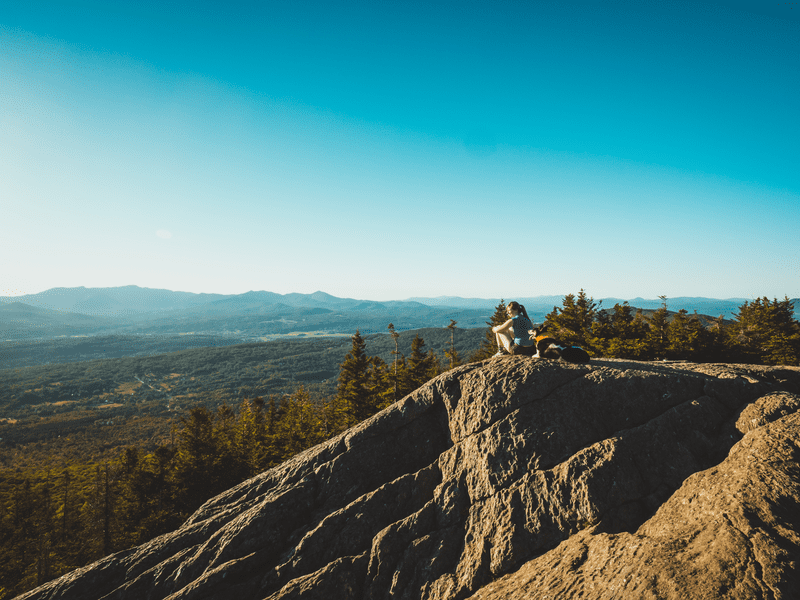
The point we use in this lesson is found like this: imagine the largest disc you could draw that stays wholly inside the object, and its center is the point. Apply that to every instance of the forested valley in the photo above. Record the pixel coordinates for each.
(145, 441)
(101, 455)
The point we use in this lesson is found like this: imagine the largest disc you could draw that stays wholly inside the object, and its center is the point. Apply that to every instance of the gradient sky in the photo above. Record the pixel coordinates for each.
(385, 150)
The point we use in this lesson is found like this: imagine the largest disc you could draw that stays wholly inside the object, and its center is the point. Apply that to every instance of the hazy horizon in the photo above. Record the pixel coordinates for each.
(406, 298)
(395, 150)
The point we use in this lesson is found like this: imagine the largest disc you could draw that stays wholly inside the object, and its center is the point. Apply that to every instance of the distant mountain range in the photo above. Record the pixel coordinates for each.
(132, 310)
(261, 315)
(708, 306)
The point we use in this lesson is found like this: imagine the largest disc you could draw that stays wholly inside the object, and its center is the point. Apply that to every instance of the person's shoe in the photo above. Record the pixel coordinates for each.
(500, 353)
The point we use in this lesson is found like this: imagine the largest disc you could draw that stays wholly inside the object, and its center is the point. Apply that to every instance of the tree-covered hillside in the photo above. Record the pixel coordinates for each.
(106, 470)
(99, 405)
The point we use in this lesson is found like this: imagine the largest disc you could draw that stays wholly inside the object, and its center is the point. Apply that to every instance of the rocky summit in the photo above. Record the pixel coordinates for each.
(510, 478)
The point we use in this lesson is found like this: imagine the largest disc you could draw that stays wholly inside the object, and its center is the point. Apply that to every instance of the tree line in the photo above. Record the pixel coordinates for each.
(762, 332)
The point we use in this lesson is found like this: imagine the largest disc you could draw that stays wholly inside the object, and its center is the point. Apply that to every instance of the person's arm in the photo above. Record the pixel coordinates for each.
(502, 327)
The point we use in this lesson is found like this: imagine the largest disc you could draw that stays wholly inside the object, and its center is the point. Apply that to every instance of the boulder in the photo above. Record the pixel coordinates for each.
(510, 478)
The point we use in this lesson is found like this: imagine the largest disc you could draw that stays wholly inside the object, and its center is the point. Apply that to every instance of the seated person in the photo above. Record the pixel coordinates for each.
(514, 336)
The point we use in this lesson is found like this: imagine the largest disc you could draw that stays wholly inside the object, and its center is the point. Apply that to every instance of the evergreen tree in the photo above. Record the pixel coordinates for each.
(66, 510)
(657, 334)
(686, 337)
(766, 332)
(396, 354)
(162, 516)
(101, 511)
(622, 334)
(452, 353)
(717, 349)
(301, 425)
(22, 536)
(229, 467)
(404, 385)
(435, 364)
(572, 324)
(44, 550)
(250, 438)
(194, 468)
(356, 392)
(422, 366)
(602, 332)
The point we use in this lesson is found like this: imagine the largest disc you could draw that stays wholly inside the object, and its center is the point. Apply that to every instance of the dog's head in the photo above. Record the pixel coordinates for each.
(539, 330)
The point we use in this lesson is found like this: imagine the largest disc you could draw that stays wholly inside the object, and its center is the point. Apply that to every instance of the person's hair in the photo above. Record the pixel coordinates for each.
(519, 308)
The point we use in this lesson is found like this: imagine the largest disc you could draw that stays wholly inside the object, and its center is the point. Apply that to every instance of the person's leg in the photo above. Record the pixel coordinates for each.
(503, 340)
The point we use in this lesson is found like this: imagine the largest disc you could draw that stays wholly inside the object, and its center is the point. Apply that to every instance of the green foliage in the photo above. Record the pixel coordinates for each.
(572, 324)
(767, 332)
(451, 353)
(620, 333)
(64, 413)
(358, 379)
(422, 366)
(687, 339)
(764, 332)
(657, 333)
(53, 522)
(394, 378)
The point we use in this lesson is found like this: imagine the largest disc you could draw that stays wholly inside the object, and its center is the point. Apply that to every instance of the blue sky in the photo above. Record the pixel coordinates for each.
(385, 150)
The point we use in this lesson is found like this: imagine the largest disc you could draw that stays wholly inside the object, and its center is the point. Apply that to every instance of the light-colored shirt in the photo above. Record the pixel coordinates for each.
(521, 327)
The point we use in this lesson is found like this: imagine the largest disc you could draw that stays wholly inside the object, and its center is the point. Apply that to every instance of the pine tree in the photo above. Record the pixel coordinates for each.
(766, 332)
(250, 438)
(66, 507)
(102, 516)
(717, 349)
(45, 533)
(196, 452)
(452, 353)
(301, 426)
(685, 336)
(404, 386)
(396, 354)
(422, 366)
(488, 347)
(381, 383)
(572, 324)
(435, 364)
(622, 334)
(657, 335)
(355, 391)
(228, 466)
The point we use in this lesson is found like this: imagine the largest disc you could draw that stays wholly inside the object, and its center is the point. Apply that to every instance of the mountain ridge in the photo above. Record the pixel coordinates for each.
(250, 316)
(135, 298)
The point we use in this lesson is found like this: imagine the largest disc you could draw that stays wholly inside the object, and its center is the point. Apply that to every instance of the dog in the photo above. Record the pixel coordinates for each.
(549, 347)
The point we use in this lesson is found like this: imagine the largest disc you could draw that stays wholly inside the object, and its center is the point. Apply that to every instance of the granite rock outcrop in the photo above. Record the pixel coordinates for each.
(510, 478)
